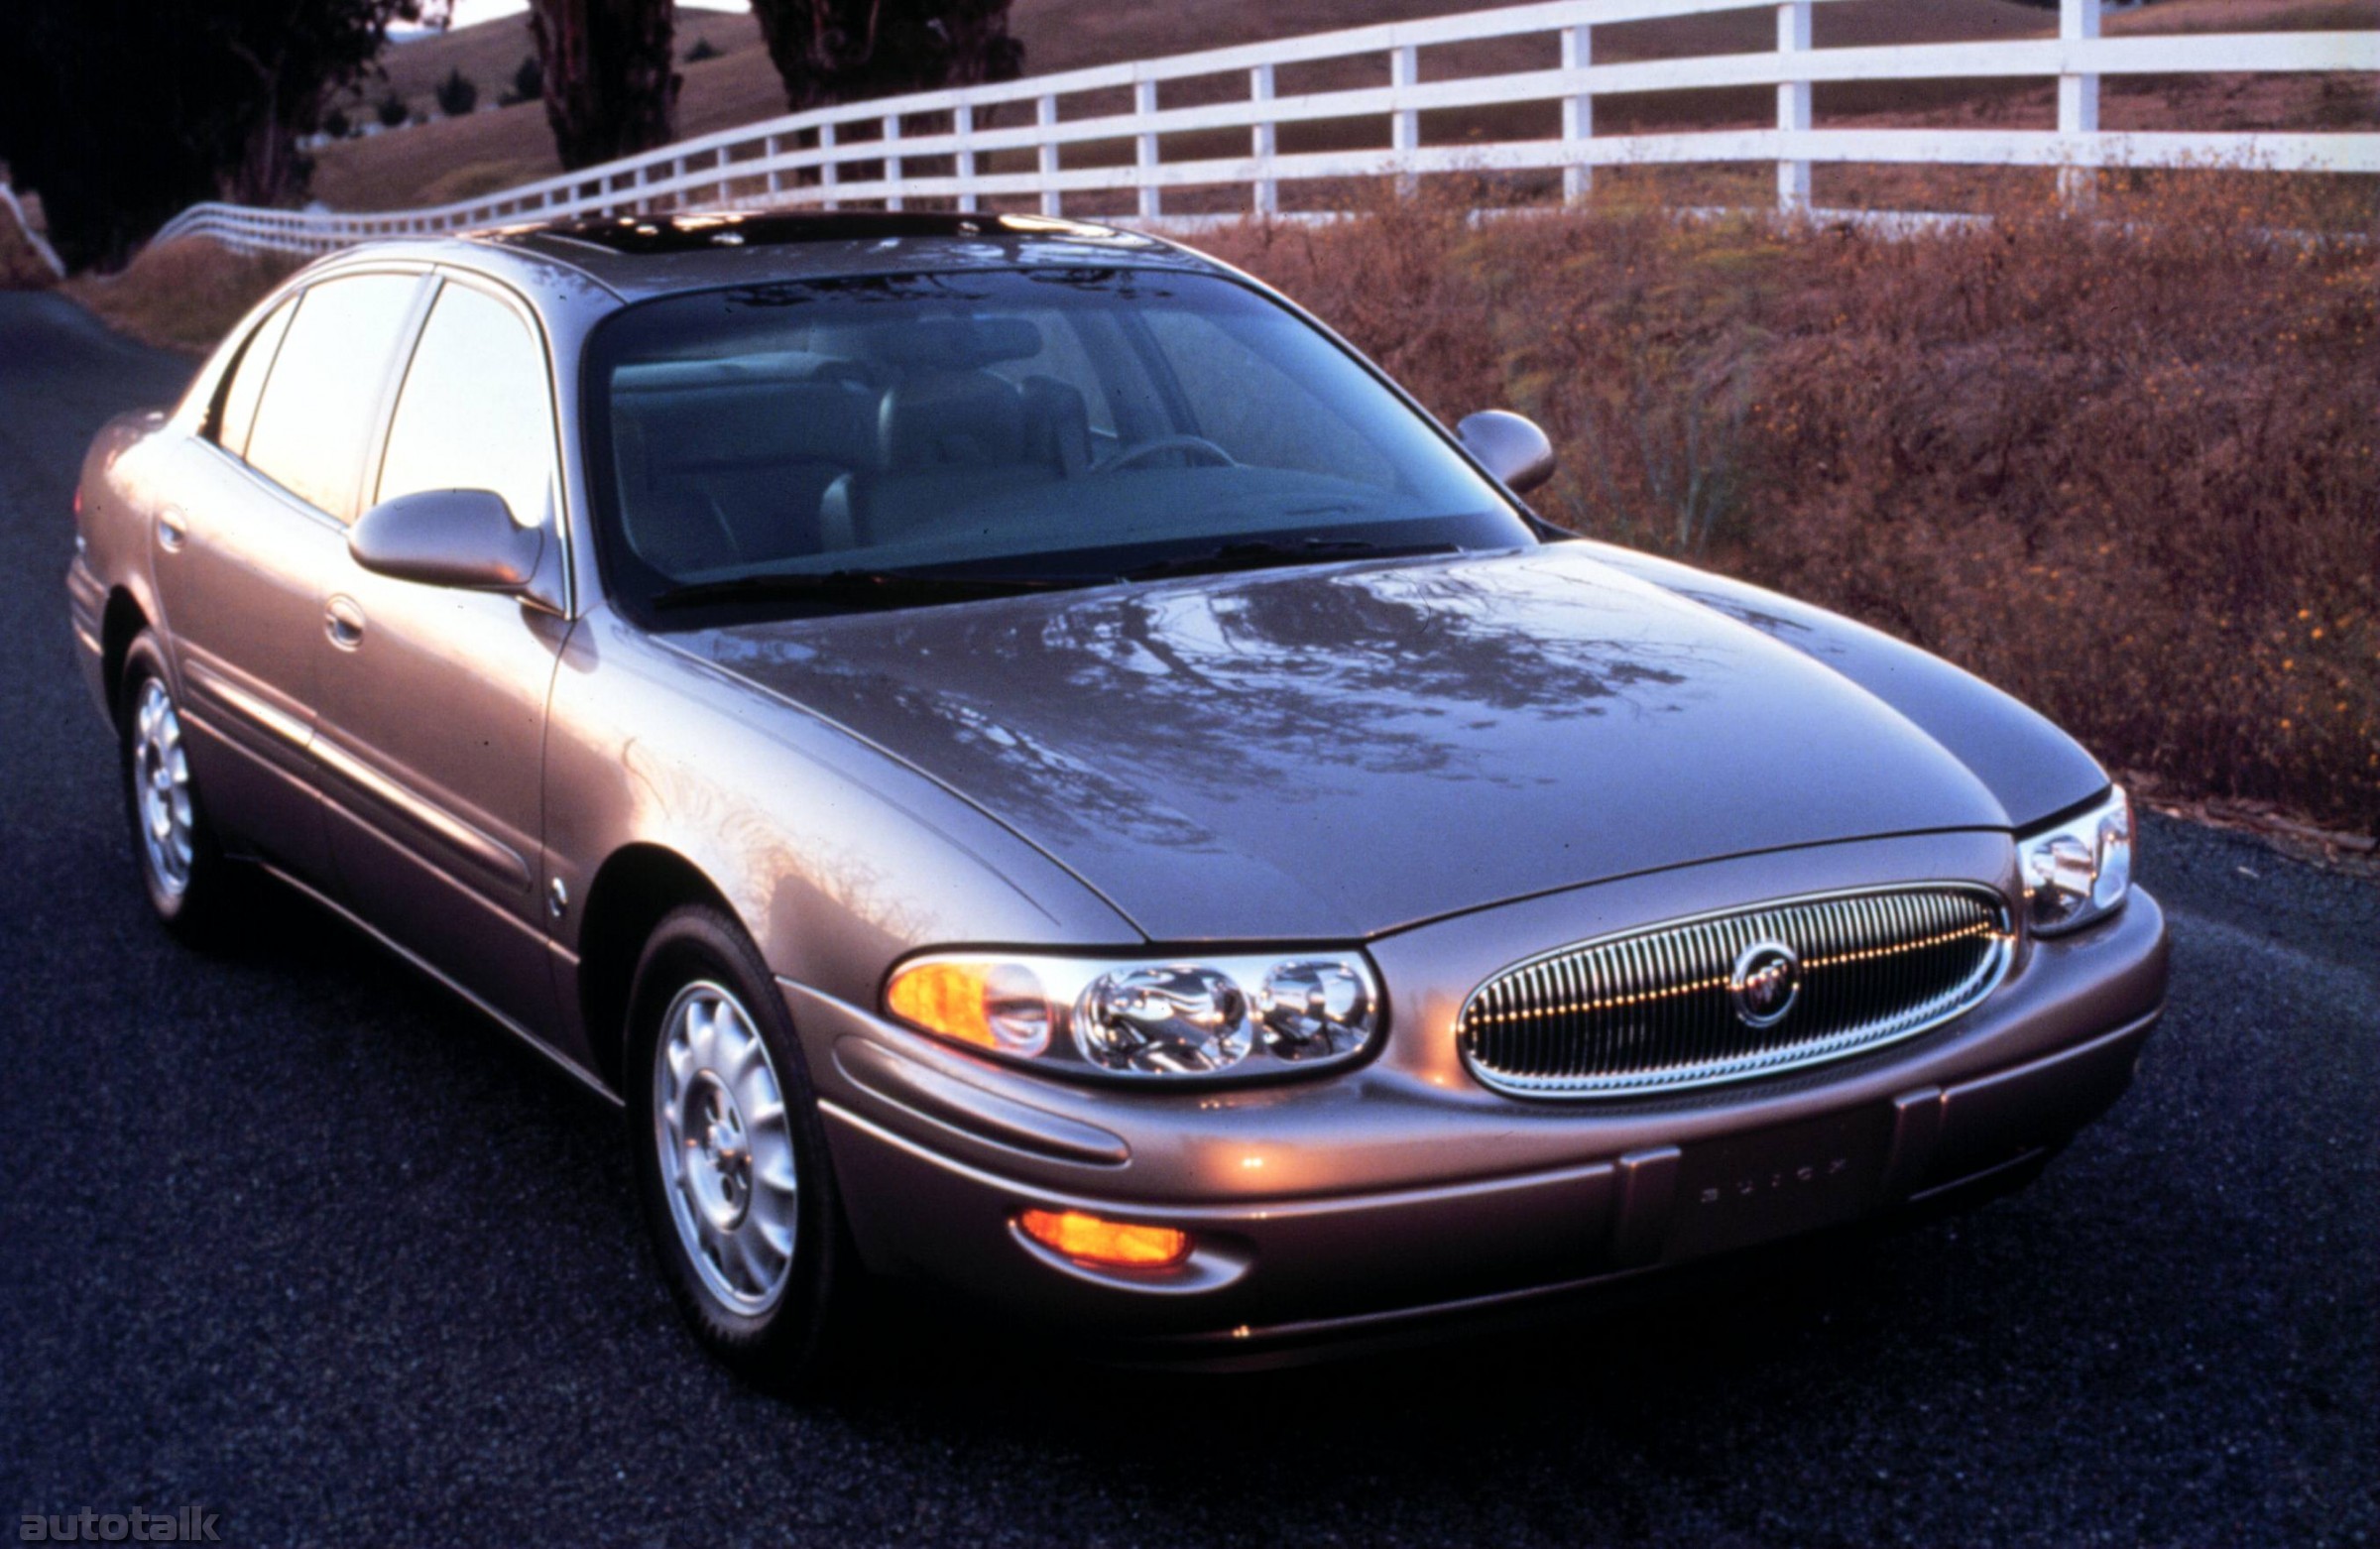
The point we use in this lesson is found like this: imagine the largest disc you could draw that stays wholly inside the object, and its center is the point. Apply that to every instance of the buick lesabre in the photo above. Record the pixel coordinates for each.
(1023, 762)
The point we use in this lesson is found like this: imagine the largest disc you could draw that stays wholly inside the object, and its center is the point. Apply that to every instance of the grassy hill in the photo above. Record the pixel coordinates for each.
(490, 52)
(487, 151)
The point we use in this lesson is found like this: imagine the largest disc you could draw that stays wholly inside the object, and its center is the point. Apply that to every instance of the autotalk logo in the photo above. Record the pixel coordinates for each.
(190, 1525)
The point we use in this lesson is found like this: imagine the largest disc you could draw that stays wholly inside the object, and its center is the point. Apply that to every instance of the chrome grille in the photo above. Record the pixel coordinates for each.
(1661, 1008)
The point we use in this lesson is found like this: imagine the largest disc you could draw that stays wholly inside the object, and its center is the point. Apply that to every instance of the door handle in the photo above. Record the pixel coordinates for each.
(173, 529)
(343, 622)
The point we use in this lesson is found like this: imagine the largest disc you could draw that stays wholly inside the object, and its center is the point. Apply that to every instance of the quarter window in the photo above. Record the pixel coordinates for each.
(317, 412)
(475, 412)
(247, 384)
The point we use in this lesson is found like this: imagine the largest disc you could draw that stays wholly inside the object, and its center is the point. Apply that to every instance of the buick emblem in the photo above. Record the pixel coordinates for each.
(1766, 980)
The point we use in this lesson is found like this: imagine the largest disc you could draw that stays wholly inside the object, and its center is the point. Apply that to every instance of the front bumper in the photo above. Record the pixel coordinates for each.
(1400, 1191)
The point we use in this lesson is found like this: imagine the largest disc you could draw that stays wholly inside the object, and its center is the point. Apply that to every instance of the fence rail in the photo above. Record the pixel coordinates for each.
(13, 213)
(1009, 141)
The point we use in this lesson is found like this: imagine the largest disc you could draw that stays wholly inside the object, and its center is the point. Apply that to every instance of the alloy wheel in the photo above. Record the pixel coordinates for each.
(726, 1149)
(161, 777)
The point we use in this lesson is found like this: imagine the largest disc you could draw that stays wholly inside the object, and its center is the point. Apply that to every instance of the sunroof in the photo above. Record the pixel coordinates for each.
(695, 233)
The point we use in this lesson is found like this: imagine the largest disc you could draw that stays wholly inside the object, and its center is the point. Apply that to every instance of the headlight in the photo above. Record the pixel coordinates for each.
(1234, 1016)
(2079, 871)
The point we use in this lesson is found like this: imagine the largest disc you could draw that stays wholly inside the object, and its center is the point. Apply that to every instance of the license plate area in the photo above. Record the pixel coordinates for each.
(1753, 1188)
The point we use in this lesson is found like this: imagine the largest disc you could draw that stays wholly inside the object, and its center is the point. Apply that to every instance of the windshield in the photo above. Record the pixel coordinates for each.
(773, 445)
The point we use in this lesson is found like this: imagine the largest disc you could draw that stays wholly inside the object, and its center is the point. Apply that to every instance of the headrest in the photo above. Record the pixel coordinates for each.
(671, 376)
(956, 343)
(950, 419)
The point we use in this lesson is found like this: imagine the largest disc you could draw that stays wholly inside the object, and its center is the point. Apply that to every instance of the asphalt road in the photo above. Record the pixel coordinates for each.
(291, 1235)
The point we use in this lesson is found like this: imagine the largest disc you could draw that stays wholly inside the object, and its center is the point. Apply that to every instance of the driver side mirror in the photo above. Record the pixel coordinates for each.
(1511, 447)
(464, 538)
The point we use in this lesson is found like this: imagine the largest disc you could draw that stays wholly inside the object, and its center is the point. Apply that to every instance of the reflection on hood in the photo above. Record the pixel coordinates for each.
(1324, 753)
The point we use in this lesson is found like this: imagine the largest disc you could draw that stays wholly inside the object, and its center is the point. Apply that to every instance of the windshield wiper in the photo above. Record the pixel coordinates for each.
(1264, 553)
(861, 588)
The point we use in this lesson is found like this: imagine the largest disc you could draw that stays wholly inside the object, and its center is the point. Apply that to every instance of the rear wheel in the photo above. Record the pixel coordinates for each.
(731, 1170)
(183, 869)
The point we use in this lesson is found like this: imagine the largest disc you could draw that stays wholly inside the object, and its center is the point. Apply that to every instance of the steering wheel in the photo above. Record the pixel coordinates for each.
(1156, 447)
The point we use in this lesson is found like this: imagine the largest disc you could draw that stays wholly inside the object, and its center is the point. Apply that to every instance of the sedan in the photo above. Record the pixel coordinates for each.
(1022, 761)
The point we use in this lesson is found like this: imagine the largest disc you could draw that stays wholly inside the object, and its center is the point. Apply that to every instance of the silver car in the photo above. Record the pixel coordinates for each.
(1023, 762)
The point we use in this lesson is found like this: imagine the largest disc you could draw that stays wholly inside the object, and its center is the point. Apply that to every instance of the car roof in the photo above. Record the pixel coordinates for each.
(639, 257)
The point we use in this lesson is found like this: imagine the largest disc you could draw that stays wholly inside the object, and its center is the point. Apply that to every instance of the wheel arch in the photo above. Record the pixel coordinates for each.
(634, 889)
(119, 626)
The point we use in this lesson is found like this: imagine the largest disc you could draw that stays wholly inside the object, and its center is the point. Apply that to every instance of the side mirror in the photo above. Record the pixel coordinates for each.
(449, 538)
(1511, 447)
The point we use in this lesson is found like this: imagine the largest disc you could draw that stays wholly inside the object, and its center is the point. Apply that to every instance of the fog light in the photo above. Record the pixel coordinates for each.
(1118, 1245)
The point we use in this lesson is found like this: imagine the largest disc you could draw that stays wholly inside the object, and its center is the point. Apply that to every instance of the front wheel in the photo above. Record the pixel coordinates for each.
(737, 1191)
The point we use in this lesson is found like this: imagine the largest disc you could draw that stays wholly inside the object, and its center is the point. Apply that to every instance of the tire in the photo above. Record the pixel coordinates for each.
(761, 1271)
(183, 869)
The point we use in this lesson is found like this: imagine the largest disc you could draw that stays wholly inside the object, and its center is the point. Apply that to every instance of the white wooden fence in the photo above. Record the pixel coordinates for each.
(1008, 144)
(13, 213)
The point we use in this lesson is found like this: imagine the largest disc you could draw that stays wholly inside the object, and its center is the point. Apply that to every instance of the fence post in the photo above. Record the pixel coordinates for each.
(771, 147)
(1578, 115)
(962, 125)
(827, 177)
(1151, 203)
(1045, 114)
(1405, 123)
(2078, 99)
(1793, 103)
(1262, 142)
(893, 160)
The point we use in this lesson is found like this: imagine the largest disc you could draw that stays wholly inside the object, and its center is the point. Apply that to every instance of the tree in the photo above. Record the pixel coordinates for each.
(528, 81)
(703, 49)
(336, 124)
(121, 112)
(610, 85)
(457, 94)
(393, 111)
(842, 51)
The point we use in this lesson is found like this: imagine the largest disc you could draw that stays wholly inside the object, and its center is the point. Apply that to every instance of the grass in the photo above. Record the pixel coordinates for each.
(2124, 469)
(184, 294)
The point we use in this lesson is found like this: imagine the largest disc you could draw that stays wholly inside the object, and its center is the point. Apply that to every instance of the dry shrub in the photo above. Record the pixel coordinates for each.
(2122, 466)
(183, 295)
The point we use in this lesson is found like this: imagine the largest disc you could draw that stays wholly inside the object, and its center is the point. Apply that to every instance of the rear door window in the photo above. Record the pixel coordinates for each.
(319, 407)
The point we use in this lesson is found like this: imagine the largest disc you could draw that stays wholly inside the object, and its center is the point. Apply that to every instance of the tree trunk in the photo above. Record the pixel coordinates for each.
(611, 89)
(260, 164)
(844, 51)
(270, 168)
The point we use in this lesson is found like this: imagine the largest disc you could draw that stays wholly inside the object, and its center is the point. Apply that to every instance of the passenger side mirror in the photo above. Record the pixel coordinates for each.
(449, 538)
(1511, 447)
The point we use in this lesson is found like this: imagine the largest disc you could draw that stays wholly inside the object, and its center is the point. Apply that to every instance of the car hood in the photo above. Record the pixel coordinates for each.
(1331, 753)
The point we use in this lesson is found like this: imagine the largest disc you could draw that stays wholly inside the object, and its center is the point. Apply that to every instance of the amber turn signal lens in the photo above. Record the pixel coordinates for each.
(943, 998)
(1114, 1244)
(999, 1005)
